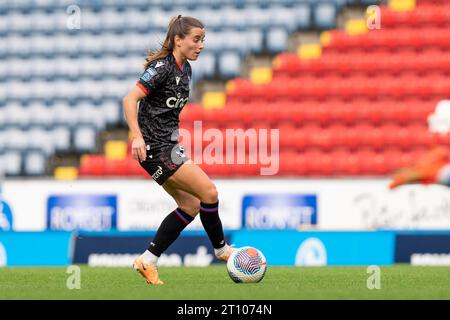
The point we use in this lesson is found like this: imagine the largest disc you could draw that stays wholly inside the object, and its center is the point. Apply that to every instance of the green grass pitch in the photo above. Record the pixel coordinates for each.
(189, 283)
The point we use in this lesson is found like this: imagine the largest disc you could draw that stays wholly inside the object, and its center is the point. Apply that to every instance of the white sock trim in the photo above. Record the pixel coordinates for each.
(149, 257)
(221, 251)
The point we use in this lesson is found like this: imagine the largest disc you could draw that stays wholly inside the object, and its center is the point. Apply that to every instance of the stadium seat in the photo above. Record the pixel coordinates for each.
(229, 64)
(61, 138)
(84, 138)
(289, 163)
(34, 162)
(325, 15)
(13, 162)
(92, 165)
(66, 173)
(115, 150)
(345, 163)
(40, 139)
(277, 39)
(303, 15)
(205, 67)
(15, 137)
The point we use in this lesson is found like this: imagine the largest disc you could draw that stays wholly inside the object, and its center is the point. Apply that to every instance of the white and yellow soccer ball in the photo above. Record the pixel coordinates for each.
(246, 265)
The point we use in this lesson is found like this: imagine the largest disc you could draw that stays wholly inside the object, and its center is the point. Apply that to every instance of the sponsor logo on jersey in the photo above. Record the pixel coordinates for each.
(173, 102)
(159, 64)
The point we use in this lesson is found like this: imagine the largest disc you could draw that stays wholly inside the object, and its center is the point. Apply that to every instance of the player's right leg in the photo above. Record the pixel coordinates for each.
(167, 233)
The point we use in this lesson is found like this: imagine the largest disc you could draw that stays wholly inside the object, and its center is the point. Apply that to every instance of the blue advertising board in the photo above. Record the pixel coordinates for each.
(35, 248)
(120, 248)
(82, 212)
(423, 248)
(279, 211)
(313, 248)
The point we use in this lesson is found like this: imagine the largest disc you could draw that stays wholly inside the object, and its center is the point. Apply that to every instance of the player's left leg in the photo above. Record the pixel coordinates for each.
(192, 179)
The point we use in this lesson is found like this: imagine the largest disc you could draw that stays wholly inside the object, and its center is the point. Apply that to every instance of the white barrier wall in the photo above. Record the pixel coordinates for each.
(142, 204)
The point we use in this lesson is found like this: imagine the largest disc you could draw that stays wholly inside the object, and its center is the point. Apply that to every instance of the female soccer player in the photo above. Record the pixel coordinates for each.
(162, 91)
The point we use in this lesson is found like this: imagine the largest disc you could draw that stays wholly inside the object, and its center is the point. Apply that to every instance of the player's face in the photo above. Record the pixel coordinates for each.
(193, 43)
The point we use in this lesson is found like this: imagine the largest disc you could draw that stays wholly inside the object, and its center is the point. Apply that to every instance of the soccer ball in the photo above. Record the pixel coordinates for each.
(246, 265)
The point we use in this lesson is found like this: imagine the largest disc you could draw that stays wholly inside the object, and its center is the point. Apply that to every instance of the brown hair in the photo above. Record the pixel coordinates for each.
(180, 26)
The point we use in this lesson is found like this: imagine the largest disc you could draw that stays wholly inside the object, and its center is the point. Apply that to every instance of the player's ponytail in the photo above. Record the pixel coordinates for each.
(180, 26)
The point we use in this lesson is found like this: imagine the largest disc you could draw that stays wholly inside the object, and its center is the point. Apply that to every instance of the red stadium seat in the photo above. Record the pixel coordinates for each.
(247, 114)
(325, 165)
(92, 165)
(286, 63)
(191, 112)
(339, 136)
(394, 39)
(220, 170)
(301, 165)
(394, 159)
(116, 168)
(343, 162)
(289, 163)
(305, 135)
(318, 113)
(425, 15)
(135, 169)
(322, 139)
(364, 158)
(314, 164)
(354, 62)
(421, 136)
(287, 135)
(251, 169)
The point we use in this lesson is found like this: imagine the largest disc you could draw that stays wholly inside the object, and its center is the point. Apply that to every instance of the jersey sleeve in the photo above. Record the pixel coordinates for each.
(153, 77)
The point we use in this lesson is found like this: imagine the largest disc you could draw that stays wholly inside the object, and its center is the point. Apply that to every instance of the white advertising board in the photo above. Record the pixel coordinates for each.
(358, 204)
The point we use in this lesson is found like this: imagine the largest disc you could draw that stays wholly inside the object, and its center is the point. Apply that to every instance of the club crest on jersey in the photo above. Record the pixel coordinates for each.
(148, 74)
(177, 79)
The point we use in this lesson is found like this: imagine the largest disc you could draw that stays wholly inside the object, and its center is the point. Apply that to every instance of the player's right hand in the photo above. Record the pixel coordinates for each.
(138, 150)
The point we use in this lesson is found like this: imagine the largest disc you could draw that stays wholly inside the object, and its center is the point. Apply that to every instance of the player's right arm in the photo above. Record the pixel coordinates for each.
(130, 102)
(153, 78)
